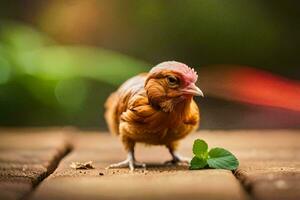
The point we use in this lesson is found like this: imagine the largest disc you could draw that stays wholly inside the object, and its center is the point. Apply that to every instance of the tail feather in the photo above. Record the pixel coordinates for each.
(111, 115)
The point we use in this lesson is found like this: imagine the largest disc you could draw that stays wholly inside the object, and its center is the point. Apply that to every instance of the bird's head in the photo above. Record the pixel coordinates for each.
(170, 83)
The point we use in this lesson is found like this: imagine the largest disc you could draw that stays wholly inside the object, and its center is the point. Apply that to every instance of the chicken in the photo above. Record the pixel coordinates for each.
(155, 108)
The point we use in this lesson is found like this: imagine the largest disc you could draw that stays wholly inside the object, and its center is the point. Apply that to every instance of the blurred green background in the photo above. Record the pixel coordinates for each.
(60, 59)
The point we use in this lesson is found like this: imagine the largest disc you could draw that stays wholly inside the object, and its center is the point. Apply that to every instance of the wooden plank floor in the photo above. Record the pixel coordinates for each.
(27, 157)
(269, 167)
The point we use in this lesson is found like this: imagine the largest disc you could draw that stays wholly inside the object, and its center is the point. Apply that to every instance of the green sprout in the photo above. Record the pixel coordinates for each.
(217, 158)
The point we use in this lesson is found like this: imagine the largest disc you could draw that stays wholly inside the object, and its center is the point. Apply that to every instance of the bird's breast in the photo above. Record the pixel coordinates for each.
(158, 127)
(160, 132)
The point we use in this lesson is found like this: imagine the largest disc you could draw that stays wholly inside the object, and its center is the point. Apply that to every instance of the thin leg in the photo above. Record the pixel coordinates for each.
(176, 158)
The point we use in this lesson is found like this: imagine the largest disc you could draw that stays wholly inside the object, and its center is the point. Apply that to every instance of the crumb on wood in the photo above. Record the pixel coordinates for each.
(79, 165)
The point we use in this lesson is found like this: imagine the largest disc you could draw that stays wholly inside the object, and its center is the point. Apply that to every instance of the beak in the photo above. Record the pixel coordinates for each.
(193, 90)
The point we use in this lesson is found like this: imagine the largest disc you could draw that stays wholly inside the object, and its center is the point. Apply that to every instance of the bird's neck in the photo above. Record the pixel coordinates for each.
(171, 112)
(179, 112)
(176, 106)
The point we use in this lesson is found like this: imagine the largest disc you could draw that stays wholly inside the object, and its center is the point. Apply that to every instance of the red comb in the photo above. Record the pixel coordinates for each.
(189, 74)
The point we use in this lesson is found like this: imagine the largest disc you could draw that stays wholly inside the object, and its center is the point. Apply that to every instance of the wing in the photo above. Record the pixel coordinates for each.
(118, 102)
(139, 111)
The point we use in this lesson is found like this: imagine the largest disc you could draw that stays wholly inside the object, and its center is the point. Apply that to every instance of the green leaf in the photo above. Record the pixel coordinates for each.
(198, 163)
(200, 147)
(220, 158)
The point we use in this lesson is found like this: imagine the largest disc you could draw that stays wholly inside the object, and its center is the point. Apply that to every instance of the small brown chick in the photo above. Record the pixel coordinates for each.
(155, 108)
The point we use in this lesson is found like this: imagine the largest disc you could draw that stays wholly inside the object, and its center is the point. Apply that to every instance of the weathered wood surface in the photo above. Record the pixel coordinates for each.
(26, 157)
(269, 168)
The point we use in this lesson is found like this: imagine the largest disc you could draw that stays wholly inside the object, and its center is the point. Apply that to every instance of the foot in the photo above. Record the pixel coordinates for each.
(177, 159)
(129, 162)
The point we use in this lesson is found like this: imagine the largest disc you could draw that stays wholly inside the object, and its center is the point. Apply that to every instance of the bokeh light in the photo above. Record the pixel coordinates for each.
(71, 94)
(5, 72)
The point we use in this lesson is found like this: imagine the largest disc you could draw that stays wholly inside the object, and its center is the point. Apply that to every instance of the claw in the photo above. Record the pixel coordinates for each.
(129, 162)
(139, 164)
(177, 159)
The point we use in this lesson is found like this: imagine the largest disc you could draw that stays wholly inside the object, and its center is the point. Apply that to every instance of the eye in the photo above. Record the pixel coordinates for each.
(172, 80)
